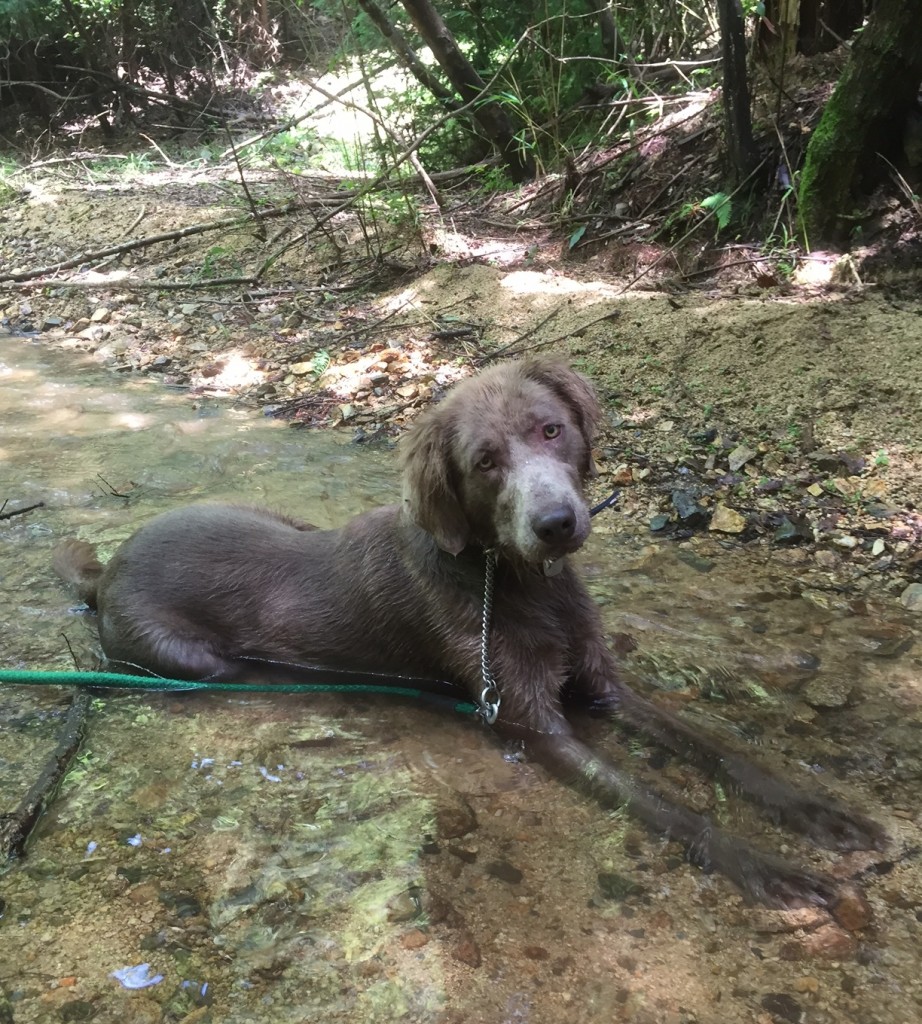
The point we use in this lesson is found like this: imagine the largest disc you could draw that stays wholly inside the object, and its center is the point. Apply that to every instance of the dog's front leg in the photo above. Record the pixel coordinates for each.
(763, 878)
(815, 815)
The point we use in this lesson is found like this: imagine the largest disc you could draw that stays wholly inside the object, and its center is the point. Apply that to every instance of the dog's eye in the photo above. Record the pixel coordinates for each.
(485, 462)
(552, 430)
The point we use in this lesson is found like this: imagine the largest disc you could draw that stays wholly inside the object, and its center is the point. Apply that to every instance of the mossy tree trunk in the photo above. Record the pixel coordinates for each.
(864, 116)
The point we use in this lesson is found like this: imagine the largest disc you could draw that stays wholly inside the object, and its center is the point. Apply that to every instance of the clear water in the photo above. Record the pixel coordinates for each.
(314, 859)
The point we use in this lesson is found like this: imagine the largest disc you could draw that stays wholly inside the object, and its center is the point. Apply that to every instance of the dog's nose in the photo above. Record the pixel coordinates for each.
(556, 526)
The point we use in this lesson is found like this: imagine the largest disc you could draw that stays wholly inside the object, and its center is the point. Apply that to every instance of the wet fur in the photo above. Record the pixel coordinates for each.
(209, 591)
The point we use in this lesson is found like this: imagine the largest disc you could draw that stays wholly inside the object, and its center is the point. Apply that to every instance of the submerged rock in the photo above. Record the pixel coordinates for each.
(827, 692)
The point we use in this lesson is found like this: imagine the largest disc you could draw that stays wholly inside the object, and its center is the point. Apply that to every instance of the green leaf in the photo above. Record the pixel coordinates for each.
(722, 206)
(577, 235)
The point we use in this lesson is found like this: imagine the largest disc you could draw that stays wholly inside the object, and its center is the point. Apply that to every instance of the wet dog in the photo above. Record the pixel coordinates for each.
(493, 485)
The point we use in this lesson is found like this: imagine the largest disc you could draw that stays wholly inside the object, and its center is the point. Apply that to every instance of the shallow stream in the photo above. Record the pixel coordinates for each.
(242, 859)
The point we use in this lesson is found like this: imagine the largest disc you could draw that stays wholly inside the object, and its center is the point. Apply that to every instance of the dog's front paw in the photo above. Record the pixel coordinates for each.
(835, 827)
(774, 882)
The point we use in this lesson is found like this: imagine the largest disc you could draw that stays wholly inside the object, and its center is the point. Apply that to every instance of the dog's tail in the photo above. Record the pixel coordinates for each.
(76, 562)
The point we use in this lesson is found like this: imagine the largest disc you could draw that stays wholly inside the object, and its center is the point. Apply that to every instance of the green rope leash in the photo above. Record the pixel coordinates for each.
(114, 680)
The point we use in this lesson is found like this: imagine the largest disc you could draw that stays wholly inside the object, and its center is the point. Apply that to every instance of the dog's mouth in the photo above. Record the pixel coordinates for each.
(549, 558)
(557, 552)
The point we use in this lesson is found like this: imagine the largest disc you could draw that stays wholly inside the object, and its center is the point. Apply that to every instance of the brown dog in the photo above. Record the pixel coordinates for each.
(210, 591)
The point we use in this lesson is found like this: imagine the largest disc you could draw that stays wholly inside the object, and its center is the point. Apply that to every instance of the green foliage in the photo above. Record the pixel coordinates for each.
(722, 207)
(320, 362)
(291, 149)
(218, 262)
(544, 63)
(494, 179)
(84, 47)
(577, 235)
(565, 75)
(136, 165)
(781, 247)
(8, 190)
(719, 205)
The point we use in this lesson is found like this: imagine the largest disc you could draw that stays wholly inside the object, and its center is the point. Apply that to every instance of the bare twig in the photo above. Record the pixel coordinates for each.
(166, 159)
(111, 490)
(137, 219)
(904, 186)
(260, 229)
(18, 511)
(50, 92)
(515, 345)
(17, 826)
(410, 154)
(142, 243)
(612, 314)
(704, 271)
(686, 167)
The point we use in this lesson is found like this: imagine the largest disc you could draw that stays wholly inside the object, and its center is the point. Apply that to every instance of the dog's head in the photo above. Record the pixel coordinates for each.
(502, 460)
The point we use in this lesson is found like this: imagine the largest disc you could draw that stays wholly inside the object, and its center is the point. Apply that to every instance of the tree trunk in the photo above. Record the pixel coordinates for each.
(608, 30)
(824, 24)
(490, 116)
(744, 157)
(808, 26)
(864, 116)
(406, 54)
(785, 16)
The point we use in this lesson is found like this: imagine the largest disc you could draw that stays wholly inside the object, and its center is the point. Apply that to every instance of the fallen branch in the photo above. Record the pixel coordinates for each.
(516, 344)
(127, 284)
(17, 826)
(237, 220)
(116, 282)
(578, 332)
(18, 511)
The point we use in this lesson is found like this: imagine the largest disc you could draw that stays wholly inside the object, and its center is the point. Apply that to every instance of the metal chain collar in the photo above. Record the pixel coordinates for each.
(488, 705)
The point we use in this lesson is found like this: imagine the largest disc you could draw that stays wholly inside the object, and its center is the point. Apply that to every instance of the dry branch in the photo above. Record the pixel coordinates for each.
(129, 284)
(18, 511)
(141, 243)
(17, 826)
(514, 347)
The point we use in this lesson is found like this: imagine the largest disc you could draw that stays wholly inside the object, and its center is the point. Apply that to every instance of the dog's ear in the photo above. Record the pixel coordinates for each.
(429, 493)
(574, 389)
